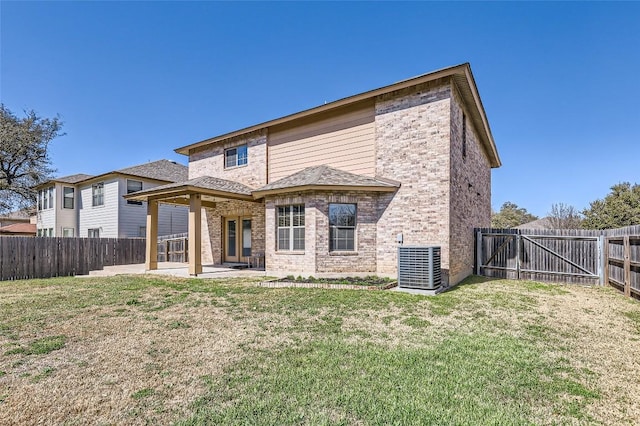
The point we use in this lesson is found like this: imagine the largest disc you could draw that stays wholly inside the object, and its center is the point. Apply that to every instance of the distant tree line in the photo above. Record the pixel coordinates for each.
(620, 208)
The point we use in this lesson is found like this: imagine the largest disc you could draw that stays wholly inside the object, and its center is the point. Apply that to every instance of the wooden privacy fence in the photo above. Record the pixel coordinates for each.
(598, 257)
(45, 257)
(173, 248)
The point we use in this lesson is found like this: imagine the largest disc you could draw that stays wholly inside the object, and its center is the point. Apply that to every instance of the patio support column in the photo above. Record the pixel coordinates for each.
(195, 234)
(151, 256)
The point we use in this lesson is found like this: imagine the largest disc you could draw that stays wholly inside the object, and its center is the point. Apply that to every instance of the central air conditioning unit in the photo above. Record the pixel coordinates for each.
(419, 267)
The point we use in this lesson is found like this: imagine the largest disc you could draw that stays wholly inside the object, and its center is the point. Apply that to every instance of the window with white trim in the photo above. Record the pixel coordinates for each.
(342, 227)
(67, 232)
(234, 157)
(93, 232)
(97, 194)
(67, 197)
(290, 224)
(134, 186)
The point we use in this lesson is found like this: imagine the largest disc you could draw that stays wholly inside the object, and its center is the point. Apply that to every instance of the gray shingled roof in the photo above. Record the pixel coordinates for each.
(204, 182)
(159, 170)
(73, 178)
(325, 176)
(542, 223)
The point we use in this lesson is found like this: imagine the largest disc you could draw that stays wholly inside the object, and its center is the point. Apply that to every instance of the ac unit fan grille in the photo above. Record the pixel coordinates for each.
(419, 267)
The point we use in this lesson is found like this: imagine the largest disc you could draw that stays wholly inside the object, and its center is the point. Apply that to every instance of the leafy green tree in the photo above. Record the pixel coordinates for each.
(24, 156)
(621, 207)
(511, 215)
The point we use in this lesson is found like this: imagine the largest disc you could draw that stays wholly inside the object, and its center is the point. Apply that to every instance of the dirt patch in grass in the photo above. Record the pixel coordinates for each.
(368, 281)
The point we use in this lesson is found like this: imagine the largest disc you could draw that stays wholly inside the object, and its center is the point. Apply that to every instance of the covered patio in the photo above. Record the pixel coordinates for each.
(202, 192)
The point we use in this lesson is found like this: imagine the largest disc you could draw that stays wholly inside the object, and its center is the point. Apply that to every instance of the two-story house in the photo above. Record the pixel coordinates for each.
(93, 206)
(334, 188)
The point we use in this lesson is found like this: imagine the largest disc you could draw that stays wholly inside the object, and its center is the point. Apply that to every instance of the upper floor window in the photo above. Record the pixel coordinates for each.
(93, 232)
(67, 197)
(134, 186)
(464, 136)
(291, 227)
(342, 227)
(235, 156)
(45, 198)
(97, 192)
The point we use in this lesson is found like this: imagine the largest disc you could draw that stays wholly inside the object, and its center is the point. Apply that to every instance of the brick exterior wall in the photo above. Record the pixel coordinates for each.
(212, 243)
(316, 258)
(208, 160)
(412, 146)
(470, 192)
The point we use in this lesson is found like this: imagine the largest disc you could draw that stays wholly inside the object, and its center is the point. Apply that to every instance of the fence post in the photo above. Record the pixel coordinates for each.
(478, 251)
(603, 249)
(518, 243)
(627, 266)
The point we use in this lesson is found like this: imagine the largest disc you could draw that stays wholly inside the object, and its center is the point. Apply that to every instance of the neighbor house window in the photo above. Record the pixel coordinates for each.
(342, 227)
(235, 156)
(47, 199)
(464, 136)
(142, 231)
(50, 197)
(67, 232)
(134, 186)
(97, 192)
(67, 197)
(291, 227)
(93, 233)
(39, 201)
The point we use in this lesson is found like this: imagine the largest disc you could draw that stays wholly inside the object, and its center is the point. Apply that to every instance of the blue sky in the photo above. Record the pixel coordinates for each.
(134, 80)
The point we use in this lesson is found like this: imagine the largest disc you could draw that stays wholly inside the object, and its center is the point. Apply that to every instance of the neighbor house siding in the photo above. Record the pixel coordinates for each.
(66, 218)
(171, 219)
(470, 201)
(209, 160)
(344, 139)
(103, 217)
(412, 140)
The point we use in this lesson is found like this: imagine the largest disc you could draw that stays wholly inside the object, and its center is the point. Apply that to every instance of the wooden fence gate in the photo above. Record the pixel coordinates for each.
(518, 254)
(601, 257)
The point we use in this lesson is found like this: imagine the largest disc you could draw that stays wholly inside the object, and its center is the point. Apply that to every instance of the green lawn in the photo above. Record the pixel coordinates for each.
(152, 350)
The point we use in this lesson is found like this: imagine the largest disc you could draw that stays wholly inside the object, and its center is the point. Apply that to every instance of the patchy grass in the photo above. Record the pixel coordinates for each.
(137, 350)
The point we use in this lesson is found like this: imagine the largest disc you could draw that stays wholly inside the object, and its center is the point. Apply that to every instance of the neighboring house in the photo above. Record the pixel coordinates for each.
(93, 206)
(331, 189)
(542, 223)
(18, 216)
(19, 229)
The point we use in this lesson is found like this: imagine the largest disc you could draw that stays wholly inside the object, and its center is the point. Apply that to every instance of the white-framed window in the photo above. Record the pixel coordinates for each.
(68, 194)
(236, 156)
(134, 186)
(97, 194)
(342, 227)
(93, 232)
(45, 198)
(290, 227)
(68, 232)
(142, 231)
(50, 233)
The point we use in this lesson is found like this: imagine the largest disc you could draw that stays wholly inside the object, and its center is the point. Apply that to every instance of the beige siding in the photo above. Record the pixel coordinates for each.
(344, 139)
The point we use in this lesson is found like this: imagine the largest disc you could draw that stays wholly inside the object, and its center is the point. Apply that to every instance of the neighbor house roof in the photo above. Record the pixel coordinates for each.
(325, 177)
(72, 178)
(17, 215)
(463, 80)
(19, 229)
(207, 186)
(543, 223)
(161, 170)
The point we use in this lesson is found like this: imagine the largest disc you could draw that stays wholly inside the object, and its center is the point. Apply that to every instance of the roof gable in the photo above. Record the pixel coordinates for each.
(460, 74)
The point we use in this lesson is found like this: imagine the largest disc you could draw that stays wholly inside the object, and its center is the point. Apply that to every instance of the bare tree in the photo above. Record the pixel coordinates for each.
(24, 156)
(564, 216)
